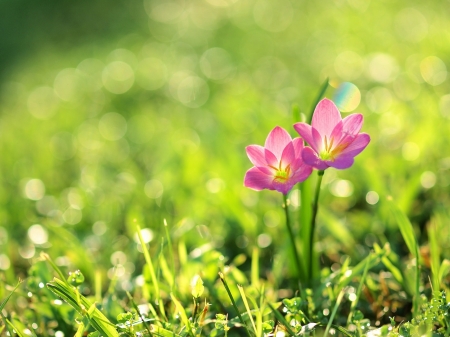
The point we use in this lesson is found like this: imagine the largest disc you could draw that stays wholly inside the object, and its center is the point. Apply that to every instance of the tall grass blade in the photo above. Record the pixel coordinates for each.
(444, 269)
(77, 301)
(255, 268)
(435, 256)
(47, 257)
(80, 330)
(281, 319)
(172, 257)
(148, 260)
(247, 307)
(358, 292)
(323, 89)
(18, 331)
(225, 284)
(333, 313)
(398, 275)
(407, 232)
(183, 315)
(10, 294)
(139, 312)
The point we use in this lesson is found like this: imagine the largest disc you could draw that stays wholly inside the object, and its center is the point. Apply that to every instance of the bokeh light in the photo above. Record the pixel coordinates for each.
(153, 189)
(38, 234)
(43, 103)
(341, 188)
(379, 99)
(428, 179)
(411, 25)
(151, 73)
(372, 197)
(34, 189)
(382, 68)
(347, 97)
(112, 126)
(410, 151)
(118, 77)
(193, 92)
(433, 70)
(68, 84)
(215, 64)
(444, 105)
(5, 262)
(349, 65)
(273, 16)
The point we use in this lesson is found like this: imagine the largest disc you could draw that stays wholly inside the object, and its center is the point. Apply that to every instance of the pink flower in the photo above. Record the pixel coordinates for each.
(334, 141)
(278, 165)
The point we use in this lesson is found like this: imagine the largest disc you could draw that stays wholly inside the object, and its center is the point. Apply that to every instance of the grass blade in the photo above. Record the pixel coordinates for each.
(333, 313)
(172, 257)
(435, 255)
(77, 301)
(222, 278)
(358, 292)
(407, 232)
(183, 315)
(323, 89)
(10, 294)
(255, 268)
(148, 260)
(281, 318)
(247, 307)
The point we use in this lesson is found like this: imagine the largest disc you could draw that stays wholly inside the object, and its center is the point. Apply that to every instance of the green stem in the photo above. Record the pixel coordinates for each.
(313, 223)
(292, 237)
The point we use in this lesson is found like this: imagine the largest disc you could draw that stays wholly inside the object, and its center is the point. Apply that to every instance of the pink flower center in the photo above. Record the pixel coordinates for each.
(282, 175)
(330, 153)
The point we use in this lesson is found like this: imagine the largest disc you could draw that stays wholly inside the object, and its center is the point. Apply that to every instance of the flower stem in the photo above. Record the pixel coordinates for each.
(291, 236)
(313, 223)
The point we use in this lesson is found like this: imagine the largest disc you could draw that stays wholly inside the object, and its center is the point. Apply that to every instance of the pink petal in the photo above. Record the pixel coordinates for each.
(297, 164)
(352, 124)
(277, 140)
(305, 131)
(256, 155)
(342, 162)
(310, 158)
(346, 158)
(345, 131)
(288, 155)
(257, 180)
(298, 147)
(337, 133)
(302, 173)
(271, 159)
(283, 187)
(359, 144)
(267, 170)
(325, 117)
(317, 140)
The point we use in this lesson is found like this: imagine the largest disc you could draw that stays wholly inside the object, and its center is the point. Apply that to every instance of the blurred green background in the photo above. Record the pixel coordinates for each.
(114, 111)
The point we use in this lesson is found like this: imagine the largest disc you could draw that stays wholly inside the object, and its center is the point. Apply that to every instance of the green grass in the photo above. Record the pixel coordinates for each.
(190, 84)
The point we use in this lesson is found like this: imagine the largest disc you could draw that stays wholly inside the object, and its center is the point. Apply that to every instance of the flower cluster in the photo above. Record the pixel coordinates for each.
(283, 161)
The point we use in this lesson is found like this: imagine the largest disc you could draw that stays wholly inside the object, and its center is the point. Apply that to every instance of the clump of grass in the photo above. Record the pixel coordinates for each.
(231, 303)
